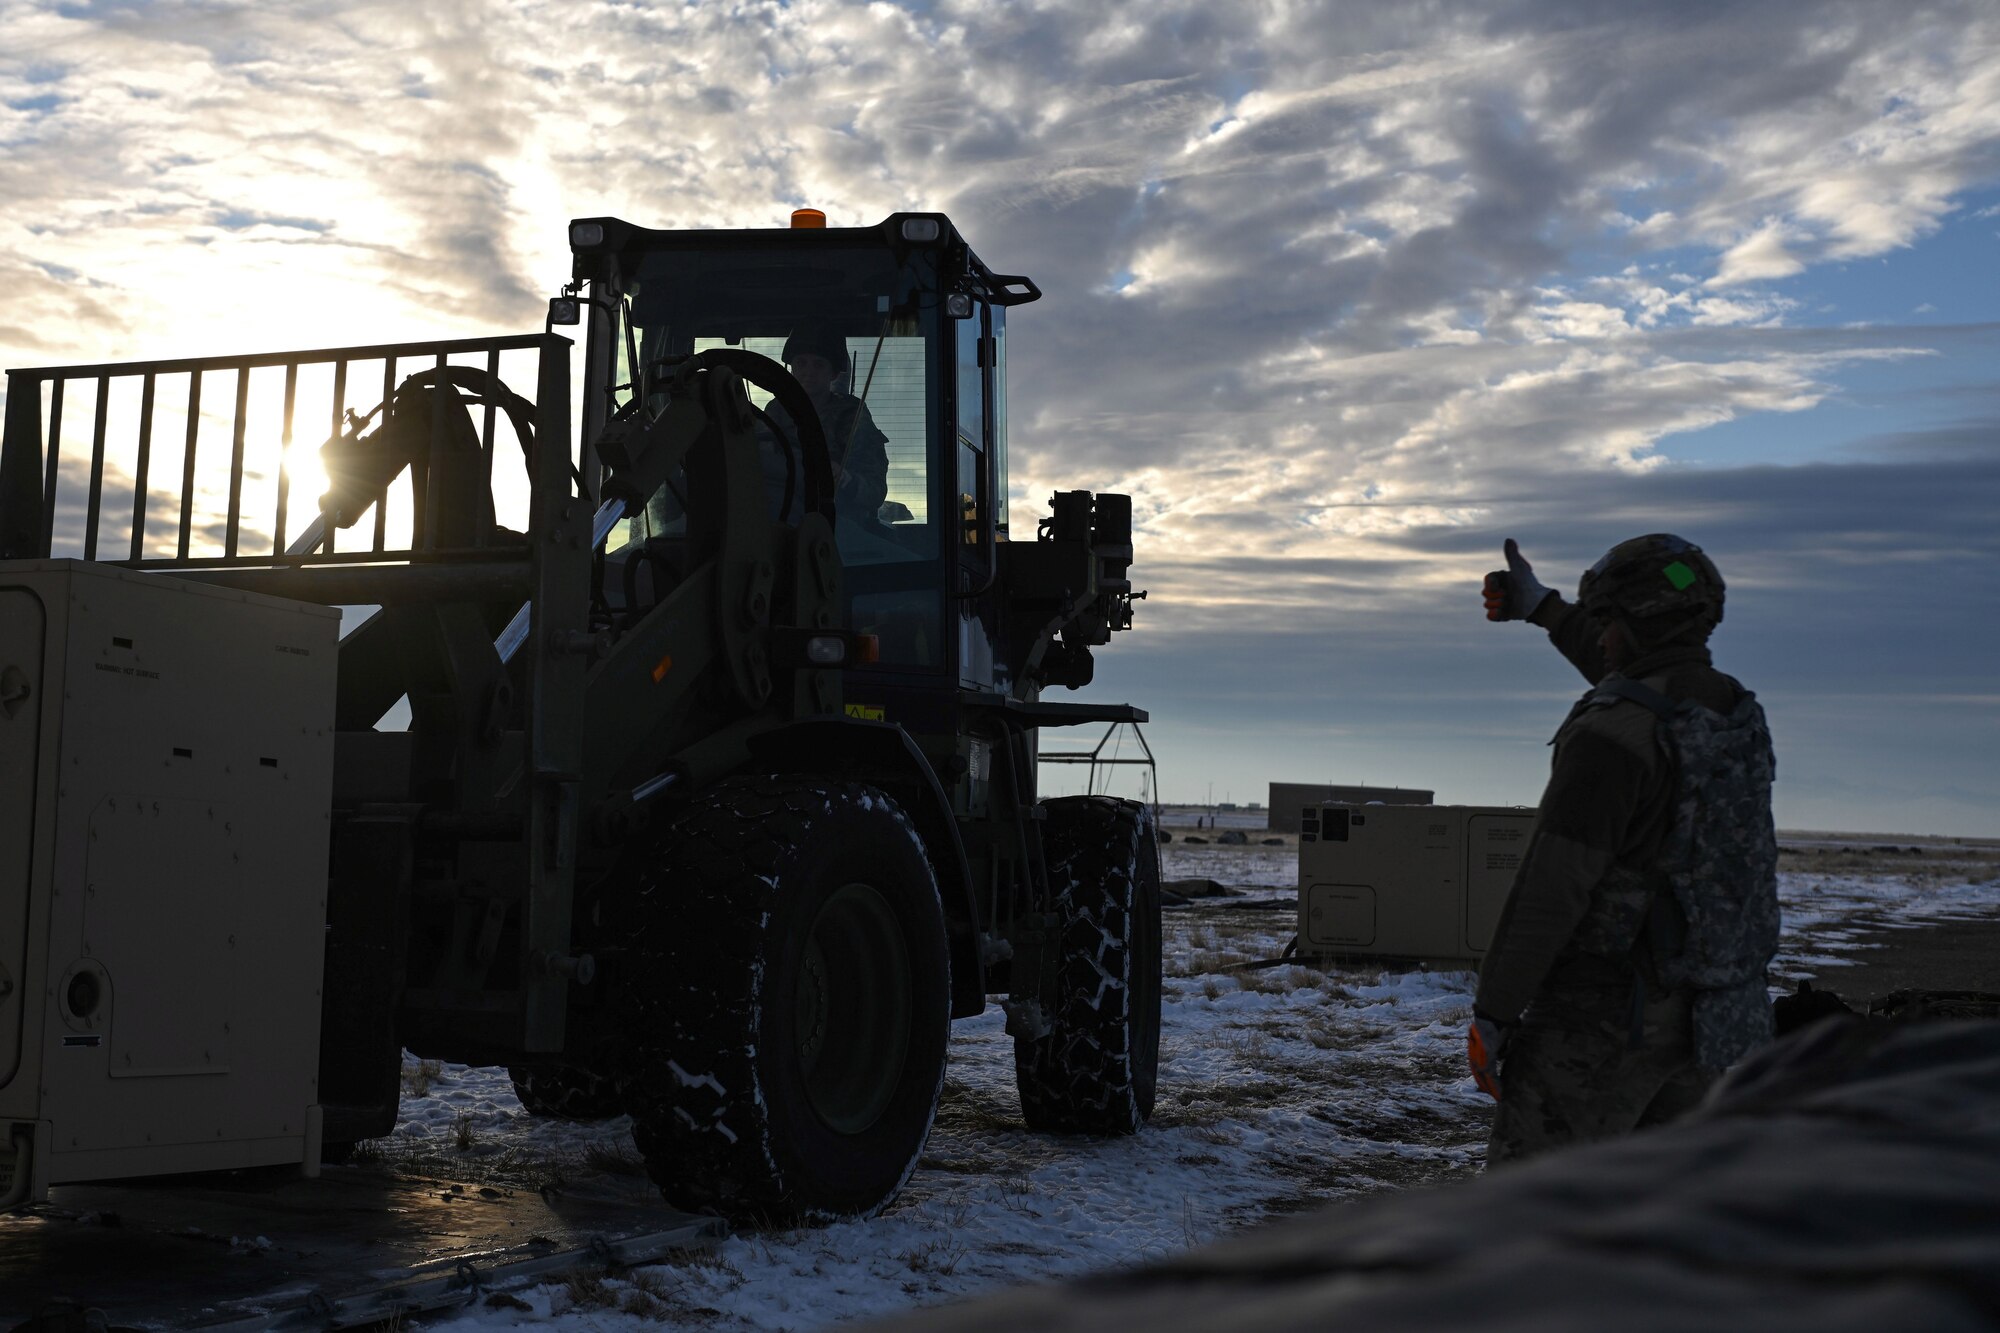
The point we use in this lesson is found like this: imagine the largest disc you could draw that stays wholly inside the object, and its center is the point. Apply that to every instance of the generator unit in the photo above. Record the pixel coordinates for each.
(1419, 882)
(166, 753)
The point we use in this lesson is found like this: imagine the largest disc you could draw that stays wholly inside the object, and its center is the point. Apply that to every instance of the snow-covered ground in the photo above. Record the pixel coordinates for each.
(1280, 1089)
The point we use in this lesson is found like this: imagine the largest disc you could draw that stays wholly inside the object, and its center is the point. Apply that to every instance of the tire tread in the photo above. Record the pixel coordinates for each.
(1084, 1077)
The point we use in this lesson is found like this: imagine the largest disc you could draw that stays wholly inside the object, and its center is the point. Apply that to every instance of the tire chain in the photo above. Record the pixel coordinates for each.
(1079, 1078)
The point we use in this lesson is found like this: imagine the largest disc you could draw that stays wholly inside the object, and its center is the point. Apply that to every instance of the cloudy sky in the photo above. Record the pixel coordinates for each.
(1342, 293)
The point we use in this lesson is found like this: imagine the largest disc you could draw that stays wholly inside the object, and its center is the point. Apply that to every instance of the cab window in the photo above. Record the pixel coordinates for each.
(867, 324)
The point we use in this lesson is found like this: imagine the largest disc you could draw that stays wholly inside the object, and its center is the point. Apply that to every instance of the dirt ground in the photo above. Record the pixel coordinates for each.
(1959, 955)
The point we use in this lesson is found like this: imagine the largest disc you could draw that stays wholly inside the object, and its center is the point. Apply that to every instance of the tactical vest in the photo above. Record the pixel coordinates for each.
(1718, 865)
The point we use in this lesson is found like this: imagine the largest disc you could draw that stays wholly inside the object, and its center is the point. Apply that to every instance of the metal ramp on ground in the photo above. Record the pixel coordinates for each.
(358, 1246)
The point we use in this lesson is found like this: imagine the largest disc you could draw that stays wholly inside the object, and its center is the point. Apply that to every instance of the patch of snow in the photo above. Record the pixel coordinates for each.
(688, 1080)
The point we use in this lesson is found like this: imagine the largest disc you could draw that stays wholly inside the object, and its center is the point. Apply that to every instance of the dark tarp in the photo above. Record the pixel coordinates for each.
(1845, 1180)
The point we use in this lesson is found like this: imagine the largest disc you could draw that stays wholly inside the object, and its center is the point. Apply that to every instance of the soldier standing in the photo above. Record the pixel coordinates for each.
(1627, 968)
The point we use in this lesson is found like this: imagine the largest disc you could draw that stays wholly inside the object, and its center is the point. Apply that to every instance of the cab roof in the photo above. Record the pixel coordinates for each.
(591, 239)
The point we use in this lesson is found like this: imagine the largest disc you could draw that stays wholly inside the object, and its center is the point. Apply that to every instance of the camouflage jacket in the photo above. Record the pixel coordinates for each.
(857, 448)
(1605, 840)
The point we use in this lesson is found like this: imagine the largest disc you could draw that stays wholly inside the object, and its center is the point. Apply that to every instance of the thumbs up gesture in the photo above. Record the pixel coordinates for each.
(1513, 593)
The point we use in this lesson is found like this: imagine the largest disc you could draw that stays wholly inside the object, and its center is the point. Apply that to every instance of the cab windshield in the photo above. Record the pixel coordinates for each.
(853, 327)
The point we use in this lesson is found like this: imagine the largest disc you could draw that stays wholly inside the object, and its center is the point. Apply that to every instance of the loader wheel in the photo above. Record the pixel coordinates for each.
(787, 991)
(1095, 1070)
(564, 1093)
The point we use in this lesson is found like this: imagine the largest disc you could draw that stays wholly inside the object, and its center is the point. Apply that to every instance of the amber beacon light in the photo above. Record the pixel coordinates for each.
(808, 217)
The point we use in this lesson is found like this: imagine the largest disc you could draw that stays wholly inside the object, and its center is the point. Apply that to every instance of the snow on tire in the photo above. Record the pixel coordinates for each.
(785, 987)
(1095, 1070)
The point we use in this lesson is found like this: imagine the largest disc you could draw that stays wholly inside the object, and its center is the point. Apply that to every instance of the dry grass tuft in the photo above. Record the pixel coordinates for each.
(1278, 980)
(702, 1258)
(368, 1152)
(981, 1113)
(1191, 1229)
(419, 1078)
(636, 1302)
(1199, 962)
(1199, 1105)
(1252, 1046)
(1017, 1194)
(937, 1256)
(588, 1291)
(613, 1160)
(1323, 1030)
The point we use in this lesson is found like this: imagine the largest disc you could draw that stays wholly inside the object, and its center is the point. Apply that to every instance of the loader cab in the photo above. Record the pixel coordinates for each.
(913, 328)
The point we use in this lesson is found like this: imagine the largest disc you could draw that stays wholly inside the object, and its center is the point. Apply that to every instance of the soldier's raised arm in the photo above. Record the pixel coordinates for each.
(1514, 593)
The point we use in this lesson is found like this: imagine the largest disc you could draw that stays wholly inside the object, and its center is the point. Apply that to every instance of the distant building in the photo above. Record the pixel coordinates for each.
(1288, 799)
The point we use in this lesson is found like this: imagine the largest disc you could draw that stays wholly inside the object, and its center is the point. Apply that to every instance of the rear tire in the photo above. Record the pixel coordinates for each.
(560, 1092)
(786, 988)
(1096, 1070)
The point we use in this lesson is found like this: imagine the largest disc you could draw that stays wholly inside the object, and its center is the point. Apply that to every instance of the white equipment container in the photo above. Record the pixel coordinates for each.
(1422, 882)
(166, 767)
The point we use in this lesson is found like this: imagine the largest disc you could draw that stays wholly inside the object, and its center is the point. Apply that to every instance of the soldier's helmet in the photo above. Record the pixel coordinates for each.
(1659, 581)
(816, 340)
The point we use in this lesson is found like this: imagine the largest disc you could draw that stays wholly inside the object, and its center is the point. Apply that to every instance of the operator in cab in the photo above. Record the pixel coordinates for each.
(817, 357)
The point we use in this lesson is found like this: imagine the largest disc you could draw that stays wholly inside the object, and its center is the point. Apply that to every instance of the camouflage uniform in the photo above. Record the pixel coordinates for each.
(1607, 1035)
(857, 449)
(1571, 1073)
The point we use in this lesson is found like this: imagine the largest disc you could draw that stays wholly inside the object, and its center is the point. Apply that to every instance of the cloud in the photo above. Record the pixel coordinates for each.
(49, 306)
(1331, 286)
(1922, 501)
(1758, 257)
(1393, 180)
(1849, 589)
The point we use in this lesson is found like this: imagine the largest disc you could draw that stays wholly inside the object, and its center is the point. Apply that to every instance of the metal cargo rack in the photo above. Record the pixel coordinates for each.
(247, 534)
(39, 489)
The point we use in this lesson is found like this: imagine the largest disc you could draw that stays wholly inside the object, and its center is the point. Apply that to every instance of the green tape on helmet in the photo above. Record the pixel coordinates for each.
(1679, 575)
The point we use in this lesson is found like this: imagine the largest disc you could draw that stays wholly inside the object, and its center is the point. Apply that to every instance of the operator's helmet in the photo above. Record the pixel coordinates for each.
(817, 340)
(1661, 583)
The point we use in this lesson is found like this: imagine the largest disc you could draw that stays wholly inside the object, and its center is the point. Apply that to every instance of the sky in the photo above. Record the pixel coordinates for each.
(1343, 294)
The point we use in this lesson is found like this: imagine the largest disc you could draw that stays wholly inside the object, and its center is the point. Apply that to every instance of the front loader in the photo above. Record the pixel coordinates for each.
(682, 760)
